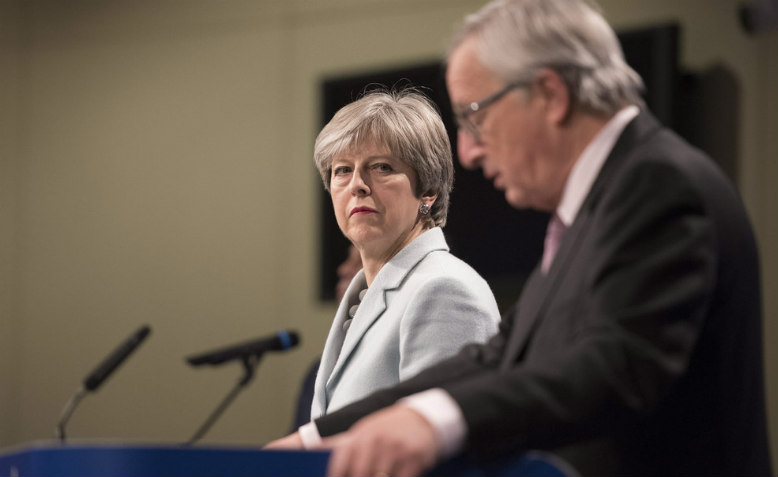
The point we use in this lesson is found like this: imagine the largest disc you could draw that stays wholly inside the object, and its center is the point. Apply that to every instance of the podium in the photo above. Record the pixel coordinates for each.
(52, 459)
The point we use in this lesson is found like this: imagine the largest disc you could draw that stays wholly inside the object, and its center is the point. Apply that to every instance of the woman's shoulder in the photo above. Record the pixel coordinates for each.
(445, 284)
(441, 267)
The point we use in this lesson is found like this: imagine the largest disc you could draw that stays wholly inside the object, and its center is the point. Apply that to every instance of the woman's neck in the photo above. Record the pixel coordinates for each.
(374, 260)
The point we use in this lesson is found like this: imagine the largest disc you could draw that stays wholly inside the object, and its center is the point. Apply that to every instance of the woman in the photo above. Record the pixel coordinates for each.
(386, 161)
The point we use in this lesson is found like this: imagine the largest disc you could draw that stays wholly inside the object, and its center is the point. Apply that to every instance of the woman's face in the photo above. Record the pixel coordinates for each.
(373, 196)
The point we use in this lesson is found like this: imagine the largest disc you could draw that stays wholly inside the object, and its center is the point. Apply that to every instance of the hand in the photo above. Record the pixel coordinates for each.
(292, 441)
(394, 441)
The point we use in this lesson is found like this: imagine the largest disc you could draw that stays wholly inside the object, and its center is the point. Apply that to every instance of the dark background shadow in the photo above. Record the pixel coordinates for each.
(504, 244)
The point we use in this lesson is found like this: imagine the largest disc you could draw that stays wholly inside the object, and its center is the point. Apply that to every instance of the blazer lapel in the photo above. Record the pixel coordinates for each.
(374, 304)
(334, 344)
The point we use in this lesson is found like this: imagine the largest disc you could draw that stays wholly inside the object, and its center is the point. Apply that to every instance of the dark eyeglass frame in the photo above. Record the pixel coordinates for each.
(462, 116)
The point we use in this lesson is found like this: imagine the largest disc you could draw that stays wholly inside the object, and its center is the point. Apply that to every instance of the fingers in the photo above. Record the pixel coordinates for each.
(358, 456)
(390, 443)
(372, 455)
(331, 442)
(340, 459)
(291, 441)
(384, 462)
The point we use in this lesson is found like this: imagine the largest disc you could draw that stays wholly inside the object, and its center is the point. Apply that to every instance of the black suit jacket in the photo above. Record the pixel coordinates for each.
(640, 351)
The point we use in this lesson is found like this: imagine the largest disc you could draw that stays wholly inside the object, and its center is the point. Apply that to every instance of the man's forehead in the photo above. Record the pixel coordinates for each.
(466, 77)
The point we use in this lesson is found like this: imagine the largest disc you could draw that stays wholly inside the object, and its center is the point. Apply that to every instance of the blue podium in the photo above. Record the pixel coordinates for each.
(52, 459)
(47, 459)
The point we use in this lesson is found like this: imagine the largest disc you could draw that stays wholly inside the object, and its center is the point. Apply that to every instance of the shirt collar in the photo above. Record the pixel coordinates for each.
(589, 164)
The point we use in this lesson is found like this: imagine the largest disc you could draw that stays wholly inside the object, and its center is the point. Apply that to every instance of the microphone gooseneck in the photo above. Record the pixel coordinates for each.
(70, 406)
(97, 377)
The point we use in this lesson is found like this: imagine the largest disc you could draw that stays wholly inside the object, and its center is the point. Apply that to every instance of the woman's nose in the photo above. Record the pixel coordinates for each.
(359, 185)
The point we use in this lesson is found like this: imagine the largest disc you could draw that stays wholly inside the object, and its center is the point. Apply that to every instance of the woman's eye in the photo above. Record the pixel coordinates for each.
(340, 170)
(383, 167)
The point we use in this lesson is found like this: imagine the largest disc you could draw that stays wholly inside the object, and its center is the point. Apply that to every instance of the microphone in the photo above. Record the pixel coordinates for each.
(100, 374)
(107, 367)
(248, 353)
(281, 341)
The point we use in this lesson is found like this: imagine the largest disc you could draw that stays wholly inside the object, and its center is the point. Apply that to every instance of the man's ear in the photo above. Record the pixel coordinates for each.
(552, 88)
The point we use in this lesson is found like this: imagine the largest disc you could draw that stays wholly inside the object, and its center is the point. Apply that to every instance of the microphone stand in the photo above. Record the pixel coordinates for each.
(68, 411)
(249, 366)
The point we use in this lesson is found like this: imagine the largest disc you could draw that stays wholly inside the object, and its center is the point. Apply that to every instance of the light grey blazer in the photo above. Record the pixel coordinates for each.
(422, 307)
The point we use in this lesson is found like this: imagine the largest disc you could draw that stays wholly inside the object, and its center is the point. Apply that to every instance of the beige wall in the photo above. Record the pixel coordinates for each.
(10, 51)
(157, 170)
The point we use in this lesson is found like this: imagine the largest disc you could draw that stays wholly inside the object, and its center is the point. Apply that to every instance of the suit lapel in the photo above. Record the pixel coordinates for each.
(540, 289)
(390, 277)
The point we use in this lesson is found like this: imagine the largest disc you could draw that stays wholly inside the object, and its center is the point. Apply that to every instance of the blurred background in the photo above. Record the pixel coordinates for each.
(155, 168)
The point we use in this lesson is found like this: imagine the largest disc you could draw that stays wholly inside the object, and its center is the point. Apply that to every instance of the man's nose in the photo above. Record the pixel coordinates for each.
(471, 153)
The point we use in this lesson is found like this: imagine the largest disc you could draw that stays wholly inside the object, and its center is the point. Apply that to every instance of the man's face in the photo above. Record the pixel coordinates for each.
(513, 132)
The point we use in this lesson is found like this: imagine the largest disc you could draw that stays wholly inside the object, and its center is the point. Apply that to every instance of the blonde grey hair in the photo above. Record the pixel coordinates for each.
(516, 38)
(408, 124)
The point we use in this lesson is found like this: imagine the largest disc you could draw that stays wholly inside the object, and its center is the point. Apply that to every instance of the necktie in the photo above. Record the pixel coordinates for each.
(556, 228)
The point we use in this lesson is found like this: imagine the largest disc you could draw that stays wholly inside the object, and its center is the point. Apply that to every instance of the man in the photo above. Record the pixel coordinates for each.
(635, 348)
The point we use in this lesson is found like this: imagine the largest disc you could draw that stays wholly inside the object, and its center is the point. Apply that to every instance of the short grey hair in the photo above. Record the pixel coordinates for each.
(514, 39)
(408, 124)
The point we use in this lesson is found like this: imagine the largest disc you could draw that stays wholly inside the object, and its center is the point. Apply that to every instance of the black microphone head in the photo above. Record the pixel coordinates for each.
(143, 332)
(280, 341)
(96, 378)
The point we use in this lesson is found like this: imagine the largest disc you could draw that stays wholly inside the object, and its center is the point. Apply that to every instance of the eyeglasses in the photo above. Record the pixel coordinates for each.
(464, 119)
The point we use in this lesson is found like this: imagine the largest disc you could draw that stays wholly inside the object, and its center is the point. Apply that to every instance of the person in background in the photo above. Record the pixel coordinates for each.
(386, 161)
(636, 345)
(346, 272)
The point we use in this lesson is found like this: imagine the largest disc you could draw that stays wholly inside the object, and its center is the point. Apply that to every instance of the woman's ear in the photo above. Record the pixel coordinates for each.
(429, 198)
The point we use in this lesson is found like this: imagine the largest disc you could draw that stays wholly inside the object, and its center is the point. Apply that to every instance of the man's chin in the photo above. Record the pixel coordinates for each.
(516, 199)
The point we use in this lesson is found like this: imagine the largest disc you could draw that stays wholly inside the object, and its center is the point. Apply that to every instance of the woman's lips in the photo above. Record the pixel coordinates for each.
(362, 211)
